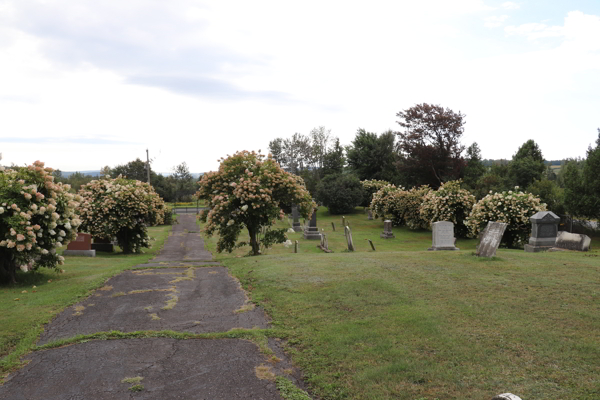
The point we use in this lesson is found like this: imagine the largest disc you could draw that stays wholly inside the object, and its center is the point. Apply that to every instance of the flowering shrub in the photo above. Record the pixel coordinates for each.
(386, 204)
(249, 191)
(449, 203)
(370, 187)
(36, 216)
(123, 208)
(514, 208)
(413, 199)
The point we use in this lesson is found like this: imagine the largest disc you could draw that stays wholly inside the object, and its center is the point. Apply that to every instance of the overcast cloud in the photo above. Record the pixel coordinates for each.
(86, 84)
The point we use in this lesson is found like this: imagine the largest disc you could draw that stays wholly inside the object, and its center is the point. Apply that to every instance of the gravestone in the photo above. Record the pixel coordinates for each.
(105, 245)
(371, 243)
(349, 238)
(295, 246)
(333, 226)
(490, 239)
(343, 221)
(370, 214)
(572, 241)
(311, 232)
(544, 228)
(387, 230)
(296, 226)
(81, 246)
(443, 236)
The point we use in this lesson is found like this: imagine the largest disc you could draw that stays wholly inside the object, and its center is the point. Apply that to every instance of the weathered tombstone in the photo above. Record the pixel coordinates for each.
(572, 241)
(443, 236)
(296, 246)
(333, 226)
(81, 246)
(105, 245)
(296, 226)
(349, 238)
(371, 243)
(387, 230)
(506, 396)
(490, 239)
(544, 228)
(311, 232)
(343, 221)
(370, 214)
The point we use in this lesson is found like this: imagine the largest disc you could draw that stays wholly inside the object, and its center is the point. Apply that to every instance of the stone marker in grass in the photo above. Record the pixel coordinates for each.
(572, 241)
(490, 239)
(387, 230)
(333, 226)
(349, 238)
(544, 228)
(81, 246)
(506, 396)
(311, 232)
(105, 245)
(296, 226)
(371, 243)
(370, 214)
(443, 236)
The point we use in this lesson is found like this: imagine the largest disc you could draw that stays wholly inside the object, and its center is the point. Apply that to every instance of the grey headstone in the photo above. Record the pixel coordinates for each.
(387, 230)
(311, 232)
(349, 238)
(85, 253)
(490, 239)
(443, 236)
(572, 241)
(296, 226)
(544, 228)
(370, 213)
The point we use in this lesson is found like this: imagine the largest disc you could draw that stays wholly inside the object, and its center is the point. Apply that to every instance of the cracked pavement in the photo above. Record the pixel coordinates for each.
(182, 290)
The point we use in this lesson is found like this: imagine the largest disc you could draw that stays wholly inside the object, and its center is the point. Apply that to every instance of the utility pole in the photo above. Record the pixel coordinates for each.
(148, 165)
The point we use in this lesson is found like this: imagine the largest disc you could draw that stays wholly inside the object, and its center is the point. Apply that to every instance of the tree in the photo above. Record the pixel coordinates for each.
(527, 164)
(340, 193)
(371, 156)
(37, 215)
(249, 192)
(474, 169)
(334, 160)
(430, 144)
(184, 182)
(123, 208)
(276, 150)
(133, 170)
(320, 138)
(297, 153)
(582, 185)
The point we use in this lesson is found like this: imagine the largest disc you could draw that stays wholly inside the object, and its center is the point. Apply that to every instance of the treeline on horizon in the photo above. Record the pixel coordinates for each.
(427, 150)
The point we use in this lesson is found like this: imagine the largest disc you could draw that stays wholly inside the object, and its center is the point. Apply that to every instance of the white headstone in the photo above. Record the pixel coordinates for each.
(443, 236)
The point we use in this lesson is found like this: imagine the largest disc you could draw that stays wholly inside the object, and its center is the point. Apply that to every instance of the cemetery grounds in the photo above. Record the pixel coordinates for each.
(406, 323)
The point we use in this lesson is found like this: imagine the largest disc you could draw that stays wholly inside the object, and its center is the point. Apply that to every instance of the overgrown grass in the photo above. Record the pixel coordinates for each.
(406, 323)
(38, 297)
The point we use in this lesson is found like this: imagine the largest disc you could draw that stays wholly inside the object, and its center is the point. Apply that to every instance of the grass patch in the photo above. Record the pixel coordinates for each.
(137, 379)
(172, 302)
(137, 388)
(406, 323)
(289, 391)
(264, 372)
(22, 322)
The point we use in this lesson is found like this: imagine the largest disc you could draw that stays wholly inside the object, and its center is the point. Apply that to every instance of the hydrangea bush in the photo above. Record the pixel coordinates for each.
(413, 199)
(37, 215)
(512, 207)
(121, 208)
(385, 201)
(249, 191)
(449, 203)
(370, 187)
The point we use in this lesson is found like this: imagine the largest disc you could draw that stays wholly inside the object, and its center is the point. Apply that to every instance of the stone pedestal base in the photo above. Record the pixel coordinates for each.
(84, 253)
(297, 227)
(536, 249)
(312, 234)
(433, 248)
(387, 235)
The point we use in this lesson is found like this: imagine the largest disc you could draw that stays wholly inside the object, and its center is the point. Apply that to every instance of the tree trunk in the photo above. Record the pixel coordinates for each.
(254, 241)
(8, 271)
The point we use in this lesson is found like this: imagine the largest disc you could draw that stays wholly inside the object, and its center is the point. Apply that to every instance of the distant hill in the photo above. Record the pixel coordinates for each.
(66, 174)
(489, 162)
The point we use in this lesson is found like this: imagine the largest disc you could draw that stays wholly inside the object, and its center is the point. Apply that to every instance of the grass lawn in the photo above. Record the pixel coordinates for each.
(38, 297)
(405, 323)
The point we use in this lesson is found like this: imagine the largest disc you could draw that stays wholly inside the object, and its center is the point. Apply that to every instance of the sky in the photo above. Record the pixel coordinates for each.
(86, 84)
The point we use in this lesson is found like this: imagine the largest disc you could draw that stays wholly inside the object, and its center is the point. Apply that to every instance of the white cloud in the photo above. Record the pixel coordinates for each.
(534, 31)
(495, 21)
(509, 5)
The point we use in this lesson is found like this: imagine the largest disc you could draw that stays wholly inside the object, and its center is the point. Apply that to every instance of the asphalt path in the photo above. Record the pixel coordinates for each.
(182, 290)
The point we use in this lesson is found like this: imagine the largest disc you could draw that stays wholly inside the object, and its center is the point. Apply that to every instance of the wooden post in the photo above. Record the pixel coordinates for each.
(371, 243)
(296, 247)
(333, 226)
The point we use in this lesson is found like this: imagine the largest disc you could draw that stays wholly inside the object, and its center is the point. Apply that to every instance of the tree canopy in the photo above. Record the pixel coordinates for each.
(371, 156)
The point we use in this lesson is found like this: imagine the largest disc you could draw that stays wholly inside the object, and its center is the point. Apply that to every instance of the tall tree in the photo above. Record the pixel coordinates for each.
(184, 182)
(276, 150)
(371, 156)
(474, 168)
(527, 164)
(133, 170)
(320, 138)
(430, 144)
(582, 187)
(334, 161)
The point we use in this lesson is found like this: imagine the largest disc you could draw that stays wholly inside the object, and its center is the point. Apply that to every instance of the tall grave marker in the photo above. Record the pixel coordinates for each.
(490, 239)
(443, 236)
(311, 232)
(296, 226)
(544, 228)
